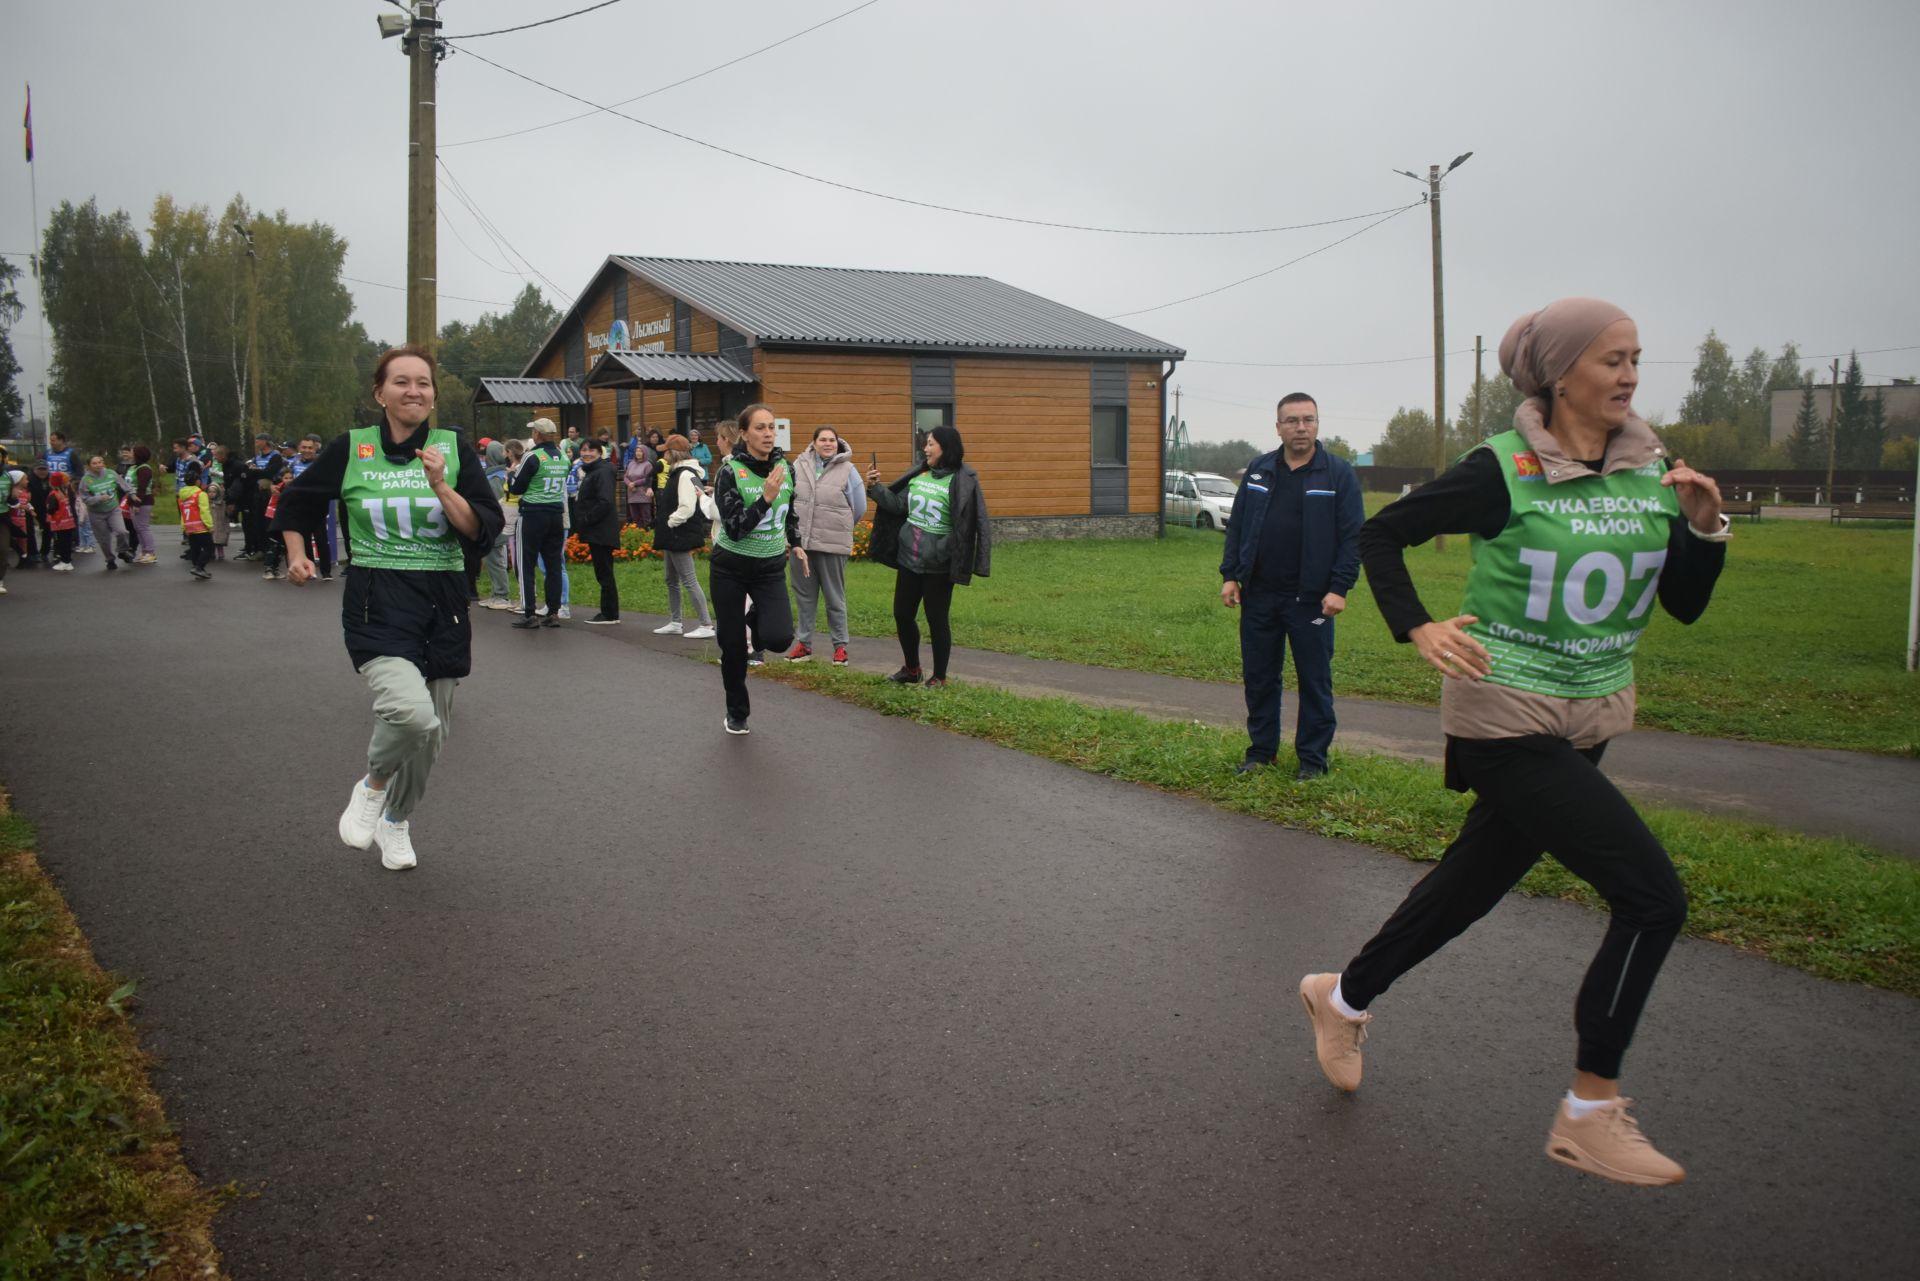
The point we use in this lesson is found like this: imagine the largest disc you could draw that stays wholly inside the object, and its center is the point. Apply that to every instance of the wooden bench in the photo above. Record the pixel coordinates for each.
(1873, 511)
(1741, 509)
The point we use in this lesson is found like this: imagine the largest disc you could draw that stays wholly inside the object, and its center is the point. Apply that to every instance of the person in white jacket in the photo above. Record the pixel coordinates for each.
(680, 529)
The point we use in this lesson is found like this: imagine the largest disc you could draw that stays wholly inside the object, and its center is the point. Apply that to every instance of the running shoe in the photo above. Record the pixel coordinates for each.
(127, 557)
(601, 620)
(936, 682)
(566, 611)
(758, 658)
(358, 820)
(736, 727)
(1607, 1142)
(1336, 1038)
(552, 622)
(906, 676)
(702, 632)
(110, 565)
(498, 602)
(148, 559)
(839, 655)
(65, 567)
(396, 845)
(3, 589)
(269, 574)
(669, 628)
(88, 550)
(202, 574)
(799, 653)
(540, 610)
(527, 622)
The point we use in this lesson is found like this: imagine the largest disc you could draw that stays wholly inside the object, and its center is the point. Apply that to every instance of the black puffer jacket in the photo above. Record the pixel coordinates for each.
(594, 518)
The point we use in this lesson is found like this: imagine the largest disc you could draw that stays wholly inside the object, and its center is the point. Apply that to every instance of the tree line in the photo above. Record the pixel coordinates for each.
(152, 337)
(1725, 419)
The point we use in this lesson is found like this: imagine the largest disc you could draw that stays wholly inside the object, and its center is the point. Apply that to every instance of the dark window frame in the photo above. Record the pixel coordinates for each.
(1093, 438)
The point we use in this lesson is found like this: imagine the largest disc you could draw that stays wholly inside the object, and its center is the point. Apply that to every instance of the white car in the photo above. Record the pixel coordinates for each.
(1199, 498)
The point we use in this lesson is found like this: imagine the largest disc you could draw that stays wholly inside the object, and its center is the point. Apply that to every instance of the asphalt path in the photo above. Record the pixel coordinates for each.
(850, 997)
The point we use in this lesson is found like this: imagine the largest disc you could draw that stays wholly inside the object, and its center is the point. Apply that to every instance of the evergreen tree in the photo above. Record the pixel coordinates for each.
(11, 309)
(1713, 398)
(1808, 445)
(1853, 444)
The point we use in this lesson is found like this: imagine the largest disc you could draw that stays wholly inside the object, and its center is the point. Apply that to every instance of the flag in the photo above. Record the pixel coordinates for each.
(28, 124)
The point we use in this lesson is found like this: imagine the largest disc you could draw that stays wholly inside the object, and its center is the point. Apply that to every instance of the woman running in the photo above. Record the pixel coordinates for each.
(749, 562)
(1578, 521)
(414, 496)
(931, 525)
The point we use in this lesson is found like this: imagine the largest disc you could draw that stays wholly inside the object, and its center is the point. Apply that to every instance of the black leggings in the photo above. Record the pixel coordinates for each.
(936, 591)
(731, 580)
(603, 574)
(1542, 795)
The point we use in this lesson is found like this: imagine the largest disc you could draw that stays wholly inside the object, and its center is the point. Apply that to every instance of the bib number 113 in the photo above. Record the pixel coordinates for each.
(1543, 567)
(433, 522)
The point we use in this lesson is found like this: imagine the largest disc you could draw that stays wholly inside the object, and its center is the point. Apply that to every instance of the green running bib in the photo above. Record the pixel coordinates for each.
(393, 516)
(1566, 589)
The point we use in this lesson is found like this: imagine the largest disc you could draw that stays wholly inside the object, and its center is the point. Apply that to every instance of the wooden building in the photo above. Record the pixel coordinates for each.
(1061, 411)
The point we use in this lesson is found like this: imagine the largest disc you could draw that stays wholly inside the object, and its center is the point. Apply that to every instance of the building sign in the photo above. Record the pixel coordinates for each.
(622, 336)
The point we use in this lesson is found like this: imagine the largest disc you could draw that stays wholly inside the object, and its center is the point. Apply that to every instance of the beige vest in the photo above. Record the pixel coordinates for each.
(820, 502)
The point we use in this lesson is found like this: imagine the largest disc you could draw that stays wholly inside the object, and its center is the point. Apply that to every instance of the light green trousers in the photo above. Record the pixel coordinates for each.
(411, 718)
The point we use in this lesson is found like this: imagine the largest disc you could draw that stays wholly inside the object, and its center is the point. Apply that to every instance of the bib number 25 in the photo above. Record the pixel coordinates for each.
(410, 517)
(1576, 590)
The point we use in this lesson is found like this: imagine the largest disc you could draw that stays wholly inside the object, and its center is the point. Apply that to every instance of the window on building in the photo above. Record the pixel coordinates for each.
(1110, 434)
(925, 419)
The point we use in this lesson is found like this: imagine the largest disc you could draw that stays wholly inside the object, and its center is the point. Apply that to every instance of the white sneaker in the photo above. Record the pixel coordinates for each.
(396, 845)
(85, 551)
(700, 633)
(539, 611)
(3, 589)
(669, 629)
(362, 815)
(497, 602)
(566, 612)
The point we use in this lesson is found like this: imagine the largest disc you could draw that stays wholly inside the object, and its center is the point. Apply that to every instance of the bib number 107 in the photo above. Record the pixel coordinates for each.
(431, 516)
(1575, 591)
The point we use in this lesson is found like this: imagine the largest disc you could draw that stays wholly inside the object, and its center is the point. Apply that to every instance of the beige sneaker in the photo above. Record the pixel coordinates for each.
(1336, 1038)
(1607, 1142)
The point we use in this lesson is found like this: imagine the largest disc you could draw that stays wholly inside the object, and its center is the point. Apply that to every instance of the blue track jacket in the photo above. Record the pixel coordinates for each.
(1329, 527)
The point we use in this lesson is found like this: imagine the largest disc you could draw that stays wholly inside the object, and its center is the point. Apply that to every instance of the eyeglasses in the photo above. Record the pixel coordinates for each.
(1309, 421)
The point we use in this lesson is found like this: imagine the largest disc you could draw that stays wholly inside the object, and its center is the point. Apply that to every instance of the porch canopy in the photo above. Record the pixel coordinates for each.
(537, 392)
(666, 369)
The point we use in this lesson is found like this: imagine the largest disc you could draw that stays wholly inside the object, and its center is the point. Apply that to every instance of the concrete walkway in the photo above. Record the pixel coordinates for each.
(1875, 799)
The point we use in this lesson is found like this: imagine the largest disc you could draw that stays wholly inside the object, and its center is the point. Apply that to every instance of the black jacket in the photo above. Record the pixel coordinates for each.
(594, 517)
(415, 614)
(691, 534)
(970, 543)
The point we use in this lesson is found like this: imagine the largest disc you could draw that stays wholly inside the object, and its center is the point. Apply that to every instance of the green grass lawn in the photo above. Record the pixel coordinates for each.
(1802, 645)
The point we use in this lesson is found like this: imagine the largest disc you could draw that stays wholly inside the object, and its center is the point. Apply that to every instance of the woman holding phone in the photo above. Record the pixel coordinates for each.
(931, 525)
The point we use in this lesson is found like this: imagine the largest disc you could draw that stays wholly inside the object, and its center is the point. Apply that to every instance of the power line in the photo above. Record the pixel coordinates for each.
(663, 88)
(528, 26)
(499, 238)
(908, 200)
(1234, 284)
(484, 262)
(488, 302)
(1321, 364)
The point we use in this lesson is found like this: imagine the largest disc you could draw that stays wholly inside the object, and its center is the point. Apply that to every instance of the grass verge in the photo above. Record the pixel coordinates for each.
(91, 1179)
(1803, 645)
(1834, 908)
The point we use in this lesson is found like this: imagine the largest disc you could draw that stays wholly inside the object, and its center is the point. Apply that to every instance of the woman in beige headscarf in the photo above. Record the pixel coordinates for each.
(1578, 520)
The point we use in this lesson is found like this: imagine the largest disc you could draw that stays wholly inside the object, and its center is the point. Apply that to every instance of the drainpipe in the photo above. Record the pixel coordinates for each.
(1165, 376)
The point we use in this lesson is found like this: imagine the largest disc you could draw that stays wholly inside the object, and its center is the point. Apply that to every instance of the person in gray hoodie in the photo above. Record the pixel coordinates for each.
(829, 498)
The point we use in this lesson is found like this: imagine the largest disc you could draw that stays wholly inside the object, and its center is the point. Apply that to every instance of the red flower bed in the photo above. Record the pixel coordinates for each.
(637, 544)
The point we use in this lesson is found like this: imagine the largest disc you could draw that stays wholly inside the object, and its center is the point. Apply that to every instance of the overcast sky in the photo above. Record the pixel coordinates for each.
(1743, 166)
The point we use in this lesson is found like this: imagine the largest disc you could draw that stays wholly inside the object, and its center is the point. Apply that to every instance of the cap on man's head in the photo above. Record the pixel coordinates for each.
(259, 435)
(544, 427)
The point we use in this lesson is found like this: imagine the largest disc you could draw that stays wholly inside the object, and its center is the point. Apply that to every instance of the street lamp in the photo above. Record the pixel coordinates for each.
(253, 327)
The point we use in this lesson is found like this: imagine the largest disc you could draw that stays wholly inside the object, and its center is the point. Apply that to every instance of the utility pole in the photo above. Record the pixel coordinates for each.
(423, 49)
(253, 330)
(1833, 424)
(1434, 175)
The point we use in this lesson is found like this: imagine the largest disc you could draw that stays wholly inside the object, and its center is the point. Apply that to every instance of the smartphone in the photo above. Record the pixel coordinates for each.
(873, 459)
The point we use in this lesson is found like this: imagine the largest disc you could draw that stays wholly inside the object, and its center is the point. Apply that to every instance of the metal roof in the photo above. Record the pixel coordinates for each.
(529, 391)
(904, 310)
(617, 368)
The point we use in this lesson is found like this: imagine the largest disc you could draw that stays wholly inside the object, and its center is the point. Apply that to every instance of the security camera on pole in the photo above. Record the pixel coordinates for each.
(421, 43)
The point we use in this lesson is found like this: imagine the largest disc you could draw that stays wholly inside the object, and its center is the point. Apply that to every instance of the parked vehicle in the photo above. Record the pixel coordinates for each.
(1198, 498)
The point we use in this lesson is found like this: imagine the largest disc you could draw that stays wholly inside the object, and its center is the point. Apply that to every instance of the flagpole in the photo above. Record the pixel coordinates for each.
(39, 285)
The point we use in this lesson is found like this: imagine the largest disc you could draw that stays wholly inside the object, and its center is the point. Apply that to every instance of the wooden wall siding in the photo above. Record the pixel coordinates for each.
(706, 332)
(1029, 433)
(597, 315)
(866, 397)
(1144, 427)
(647, 305)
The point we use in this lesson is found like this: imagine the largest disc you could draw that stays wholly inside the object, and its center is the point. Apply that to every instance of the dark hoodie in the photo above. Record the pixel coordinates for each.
(738, 516)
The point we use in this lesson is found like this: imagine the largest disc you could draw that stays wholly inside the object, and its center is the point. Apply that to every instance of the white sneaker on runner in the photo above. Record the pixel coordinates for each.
(566, 611)
(672, 628)
(702, 632)
(362, 813)
(396, 845)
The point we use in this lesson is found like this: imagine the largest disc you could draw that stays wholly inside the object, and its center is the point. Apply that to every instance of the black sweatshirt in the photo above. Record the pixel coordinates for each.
(738, 516)
(1471, 498)
(304, 502)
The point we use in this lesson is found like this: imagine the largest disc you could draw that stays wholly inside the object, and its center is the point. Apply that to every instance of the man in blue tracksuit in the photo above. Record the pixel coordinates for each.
(1292, 555)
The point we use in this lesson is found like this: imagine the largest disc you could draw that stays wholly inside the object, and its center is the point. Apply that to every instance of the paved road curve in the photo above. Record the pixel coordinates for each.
(851, 997)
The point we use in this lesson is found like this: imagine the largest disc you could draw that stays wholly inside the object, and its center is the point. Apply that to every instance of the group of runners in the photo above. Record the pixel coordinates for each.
(1579, 523)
